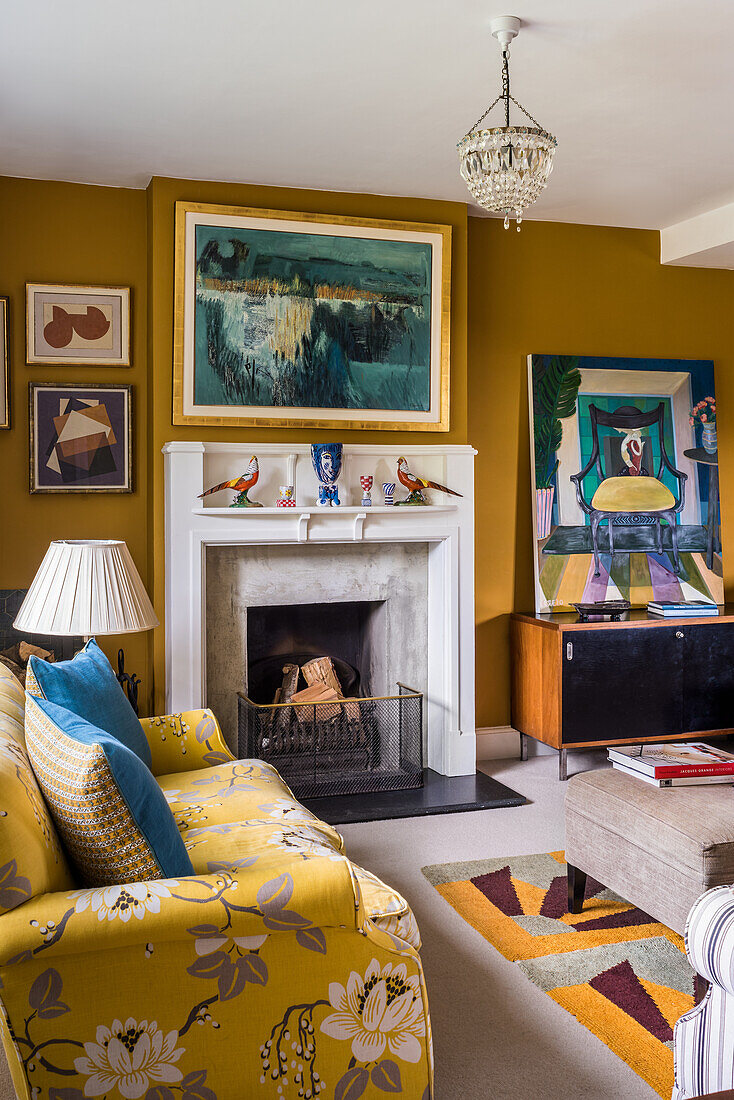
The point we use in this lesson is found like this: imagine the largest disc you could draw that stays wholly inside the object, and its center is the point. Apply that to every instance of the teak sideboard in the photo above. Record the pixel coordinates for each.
(577, 684)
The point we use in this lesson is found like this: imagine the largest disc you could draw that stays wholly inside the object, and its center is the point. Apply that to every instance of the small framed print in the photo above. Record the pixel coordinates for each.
(85, 325)
(5, 364)
(80, 438)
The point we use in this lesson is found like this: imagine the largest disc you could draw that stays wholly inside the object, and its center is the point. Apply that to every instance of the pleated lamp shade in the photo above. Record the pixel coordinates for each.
(87, 587)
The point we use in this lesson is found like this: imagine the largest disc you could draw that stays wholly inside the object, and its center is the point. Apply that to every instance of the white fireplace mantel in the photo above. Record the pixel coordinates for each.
(446, 525)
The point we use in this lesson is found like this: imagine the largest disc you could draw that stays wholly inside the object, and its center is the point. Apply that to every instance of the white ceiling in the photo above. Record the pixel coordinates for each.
(372, 95)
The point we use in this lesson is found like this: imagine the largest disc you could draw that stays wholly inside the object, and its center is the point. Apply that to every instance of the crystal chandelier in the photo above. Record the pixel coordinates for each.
(506, 167)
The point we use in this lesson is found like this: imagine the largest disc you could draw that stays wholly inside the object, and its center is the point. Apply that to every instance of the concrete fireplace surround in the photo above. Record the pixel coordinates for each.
(394, 575)
(418, 561)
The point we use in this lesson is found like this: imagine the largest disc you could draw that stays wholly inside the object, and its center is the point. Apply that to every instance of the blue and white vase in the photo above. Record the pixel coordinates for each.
(326, 459)
(708, 438)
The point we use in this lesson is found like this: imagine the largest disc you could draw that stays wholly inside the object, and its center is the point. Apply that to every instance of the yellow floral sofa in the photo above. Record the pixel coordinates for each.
(278, 970)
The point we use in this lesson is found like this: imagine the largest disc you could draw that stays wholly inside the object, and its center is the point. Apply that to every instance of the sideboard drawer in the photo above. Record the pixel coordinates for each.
(621, 684)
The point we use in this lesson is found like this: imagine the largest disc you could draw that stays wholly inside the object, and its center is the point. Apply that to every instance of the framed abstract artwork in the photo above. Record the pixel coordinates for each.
(5, 364)
(80, 438)
(85, 325)
(306, 320)
(625, 490)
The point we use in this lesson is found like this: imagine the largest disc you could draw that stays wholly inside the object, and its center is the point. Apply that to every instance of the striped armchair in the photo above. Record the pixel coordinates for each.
(704, 1037)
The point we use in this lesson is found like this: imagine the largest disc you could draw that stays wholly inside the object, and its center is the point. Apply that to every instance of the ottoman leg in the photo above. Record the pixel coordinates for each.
(576, 888)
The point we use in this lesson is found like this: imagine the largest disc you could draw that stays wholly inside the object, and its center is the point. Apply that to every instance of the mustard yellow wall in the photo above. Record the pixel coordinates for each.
(569, 289)
(162, 194)
(550, 288)
(67, 233)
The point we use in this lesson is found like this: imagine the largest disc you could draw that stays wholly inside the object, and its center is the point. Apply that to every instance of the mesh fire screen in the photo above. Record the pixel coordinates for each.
(346, 747)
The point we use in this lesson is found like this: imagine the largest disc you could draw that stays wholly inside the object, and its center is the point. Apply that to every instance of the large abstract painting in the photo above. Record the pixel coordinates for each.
(625, 480)
(80, 438)
(289, 319)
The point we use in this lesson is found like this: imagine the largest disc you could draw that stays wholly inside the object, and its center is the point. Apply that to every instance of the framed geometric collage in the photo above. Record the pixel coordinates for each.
(80, 435)
(80, 438)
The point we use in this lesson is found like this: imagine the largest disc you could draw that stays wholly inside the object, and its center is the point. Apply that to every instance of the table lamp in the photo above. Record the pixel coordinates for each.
(88, 587)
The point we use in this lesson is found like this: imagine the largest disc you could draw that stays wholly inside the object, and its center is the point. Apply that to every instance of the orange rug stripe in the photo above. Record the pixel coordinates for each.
(626, 1037)
(621, 974)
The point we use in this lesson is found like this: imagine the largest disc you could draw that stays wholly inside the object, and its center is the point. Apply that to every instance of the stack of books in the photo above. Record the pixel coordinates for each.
(679, 765)
(682, 609)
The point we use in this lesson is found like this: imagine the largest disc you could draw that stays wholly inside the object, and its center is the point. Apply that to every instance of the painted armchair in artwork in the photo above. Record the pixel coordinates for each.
(631, 495)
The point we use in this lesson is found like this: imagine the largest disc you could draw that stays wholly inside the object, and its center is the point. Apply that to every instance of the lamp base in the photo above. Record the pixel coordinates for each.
(128, 683)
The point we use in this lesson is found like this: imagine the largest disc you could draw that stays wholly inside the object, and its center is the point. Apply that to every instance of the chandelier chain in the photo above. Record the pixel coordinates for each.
(526, 113)
(506, 84)
(482, 117)
(506, 96)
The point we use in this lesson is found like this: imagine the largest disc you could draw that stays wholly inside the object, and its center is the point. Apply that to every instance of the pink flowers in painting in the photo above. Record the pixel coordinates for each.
(705, 411)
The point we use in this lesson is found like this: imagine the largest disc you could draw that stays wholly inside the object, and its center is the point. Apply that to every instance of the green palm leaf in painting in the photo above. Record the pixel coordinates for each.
(556, 382)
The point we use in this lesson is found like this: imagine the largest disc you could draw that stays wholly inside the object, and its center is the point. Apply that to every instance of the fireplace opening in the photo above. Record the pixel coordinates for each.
(351, 632)
(364, 735)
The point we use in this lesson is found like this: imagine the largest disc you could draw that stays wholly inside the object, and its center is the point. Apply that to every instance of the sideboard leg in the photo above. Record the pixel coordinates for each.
(523, 746)
(563, 764)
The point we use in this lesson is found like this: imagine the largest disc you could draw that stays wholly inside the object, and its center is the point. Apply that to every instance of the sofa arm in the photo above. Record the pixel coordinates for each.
(709, 936)
(272, 895)
(184, 742)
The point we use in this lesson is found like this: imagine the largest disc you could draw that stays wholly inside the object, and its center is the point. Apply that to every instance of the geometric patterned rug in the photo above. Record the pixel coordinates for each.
(623, 975)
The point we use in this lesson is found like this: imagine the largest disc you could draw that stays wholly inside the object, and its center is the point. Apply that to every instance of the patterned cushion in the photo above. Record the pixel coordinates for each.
(31, 859)
(87, 685)
(110, 812)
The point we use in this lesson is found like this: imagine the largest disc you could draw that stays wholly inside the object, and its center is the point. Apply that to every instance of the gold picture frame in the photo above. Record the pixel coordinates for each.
(104, 338)
(427, 388)
(45, 427)
(5, 366)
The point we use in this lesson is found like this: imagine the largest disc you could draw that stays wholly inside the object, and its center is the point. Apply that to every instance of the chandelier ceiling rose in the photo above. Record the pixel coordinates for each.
(506, 167)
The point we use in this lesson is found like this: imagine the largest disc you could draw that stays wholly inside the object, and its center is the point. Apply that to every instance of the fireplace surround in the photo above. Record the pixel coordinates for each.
(419, 562)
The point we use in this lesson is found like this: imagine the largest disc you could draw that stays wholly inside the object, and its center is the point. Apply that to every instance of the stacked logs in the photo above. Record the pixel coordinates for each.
(320, 708)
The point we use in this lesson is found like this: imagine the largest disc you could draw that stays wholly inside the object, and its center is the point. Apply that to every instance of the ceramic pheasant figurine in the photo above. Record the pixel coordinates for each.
(240, 485)
(416, 485)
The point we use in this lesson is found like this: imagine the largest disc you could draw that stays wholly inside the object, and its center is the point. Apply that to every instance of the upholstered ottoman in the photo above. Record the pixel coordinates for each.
(659, 849)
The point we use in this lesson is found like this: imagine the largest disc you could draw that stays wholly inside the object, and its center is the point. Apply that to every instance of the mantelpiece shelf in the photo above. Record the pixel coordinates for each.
(314, 510)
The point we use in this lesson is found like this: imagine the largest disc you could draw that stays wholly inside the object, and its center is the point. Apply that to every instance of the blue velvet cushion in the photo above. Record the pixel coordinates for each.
(111, 814)
(87, 685)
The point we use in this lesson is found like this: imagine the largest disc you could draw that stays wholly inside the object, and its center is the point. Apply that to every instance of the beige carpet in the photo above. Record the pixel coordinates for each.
(496, 1035)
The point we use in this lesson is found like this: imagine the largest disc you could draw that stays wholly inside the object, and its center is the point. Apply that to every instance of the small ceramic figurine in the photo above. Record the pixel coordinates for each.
(416, 485)
(326, 459)
(287, 498)
(366, 482)
(241, 485)
(388, 490)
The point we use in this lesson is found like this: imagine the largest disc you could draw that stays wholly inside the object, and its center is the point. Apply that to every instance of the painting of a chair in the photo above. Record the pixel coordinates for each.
(631, 495)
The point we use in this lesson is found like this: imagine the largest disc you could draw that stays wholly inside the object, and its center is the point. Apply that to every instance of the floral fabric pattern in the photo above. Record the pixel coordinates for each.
(31, 858)
(277, 970)
(129, 1057)
(123, 902)
(381, 1011)
(180, 742)
(243, 792)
